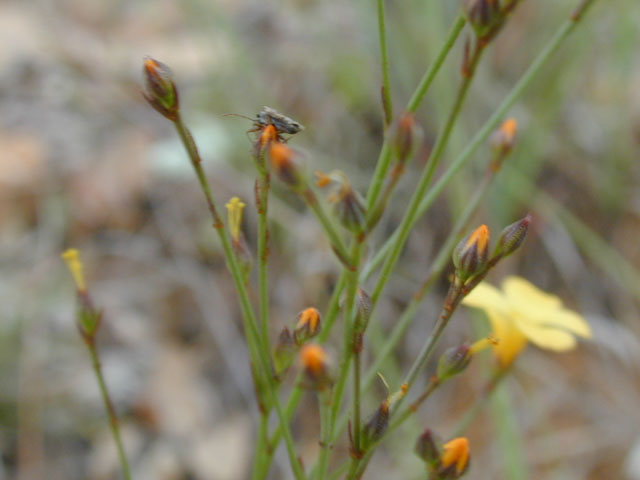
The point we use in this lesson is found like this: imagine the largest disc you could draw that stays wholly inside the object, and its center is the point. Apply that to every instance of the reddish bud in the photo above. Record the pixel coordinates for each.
(159, 89)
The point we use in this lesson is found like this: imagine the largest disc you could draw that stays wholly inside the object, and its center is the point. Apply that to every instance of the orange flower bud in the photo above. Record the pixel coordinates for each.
(454, 460)
(503, 139)
(284, 165)
(307, 325)
(313, 359)
(471, 255)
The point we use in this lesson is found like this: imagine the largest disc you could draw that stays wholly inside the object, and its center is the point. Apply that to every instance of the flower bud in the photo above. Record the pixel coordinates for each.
(427, 448)
(88, 318)
(284, 351)
(314, 362)
(453, 361)
(363, 312)
(375, 426)
(406, 137)
(307, 325)
(159, 88)
(512, 237)
(482, 15)
(285, 166)
(348, 206)
(472, 254)
(503, 139)
(454, 460)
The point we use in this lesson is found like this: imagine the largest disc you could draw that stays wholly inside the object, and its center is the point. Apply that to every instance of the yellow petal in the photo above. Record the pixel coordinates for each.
(509, 340)
(569, 321)
(525, 296)
(545, 336)
(486, 297)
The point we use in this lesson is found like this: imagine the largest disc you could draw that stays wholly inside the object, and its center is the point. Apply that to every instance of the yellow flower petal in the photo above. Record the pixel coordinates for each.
(546, 336)
(526, 296)
(486, 297)
(569, 321)
(510, 340)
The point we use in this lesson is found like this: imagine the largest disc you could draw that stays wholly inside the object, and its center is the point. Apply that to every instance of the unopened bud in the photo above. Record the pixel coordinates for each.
(375, 426)
(512, 237)
(454, 460)
(454, 361)
(483, 15)
(472, 254)
(284, 165)
(427, 448)
(348, 206)
(284, 351)
(159, 89)
(307, 325)
(363, 312)
(503, 139)
(406, 137)
(314, 362)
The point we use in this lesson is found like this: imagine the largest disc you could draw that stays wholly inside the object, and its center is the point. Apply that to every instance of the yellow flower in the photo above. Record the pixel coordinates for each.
(522, 313)
(72, 258)
(234, 209)
(455, 453)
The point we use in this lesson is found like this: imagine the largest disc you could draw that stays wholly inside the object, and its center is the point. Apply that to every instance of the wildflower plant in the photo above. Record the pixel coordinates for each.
(347, 218)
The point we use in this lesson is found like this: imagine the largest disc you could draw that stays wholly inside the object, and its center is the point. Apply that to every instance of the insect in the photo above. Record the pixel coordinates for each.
(270, 116)
(282, 123)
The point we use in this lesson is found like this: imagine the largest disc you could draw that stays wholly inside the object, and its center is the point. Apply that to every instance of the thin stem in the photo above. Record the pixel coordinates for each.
(248, 316)
(438, 149)
(357, 356)
(357, 467)
(347, 352)
(430, 74)
(261, 448)
(386, 84)
(384, 159)
(294, 398)
(108, 405)
(262, 202)
(334, 238)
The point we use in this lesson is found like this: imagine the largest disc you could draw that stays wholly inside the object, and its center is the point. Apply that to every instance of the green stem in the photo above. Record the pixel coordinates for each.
(351, 285)
(438, 265)
(336, 241)
(384, 159)
(261, 448)
(386, 84)
(357, 467)
(108, 405)
(430, 74)
(262, 202)
(248, 317)
(296, 394)
(515, 467)
(425, 179)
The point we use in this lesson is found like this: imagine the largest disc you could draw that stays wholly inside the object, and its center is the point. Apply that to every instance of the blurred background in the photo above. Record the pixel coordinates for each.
(85, 162)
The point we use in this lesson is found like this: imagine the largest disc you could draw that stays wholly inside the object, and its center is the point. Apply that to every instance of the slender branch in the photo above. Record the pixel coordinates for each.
(384, 159)
(108, 405)
(425, 179)
(386, 84)
(248, 317)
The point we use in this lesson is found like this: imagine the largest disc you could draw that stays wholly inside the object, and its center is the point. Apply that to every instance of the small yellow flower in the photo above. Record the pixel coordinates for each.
(522, 313)
(234, 210)
(72, 258)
